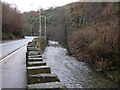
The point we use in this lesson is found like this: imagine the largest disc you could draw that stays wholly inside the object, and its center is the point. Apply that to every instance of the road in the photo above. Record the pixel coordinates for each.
(13, 67)
(13, 70)
(8, 47)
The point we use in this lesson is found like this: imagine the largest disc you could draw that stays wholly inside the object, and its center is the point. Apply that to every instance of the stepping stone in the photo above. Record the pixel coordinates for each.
(33, 53)
(35, 56)
(49, 85)
(29, 46)
(38, 70)
(32, 49)
(31, 43)
(37, 63)
(42, 78)
(34, 59)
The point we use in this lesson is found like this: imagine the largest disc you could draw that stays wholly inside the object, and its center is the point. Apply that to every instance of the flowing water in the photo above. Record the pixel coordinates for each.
(71, 72)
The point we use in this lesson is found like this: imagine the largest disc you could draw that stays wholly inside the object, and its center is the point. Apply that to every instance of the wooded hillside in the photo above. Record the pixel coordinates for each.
(89, 31)
(12, 22)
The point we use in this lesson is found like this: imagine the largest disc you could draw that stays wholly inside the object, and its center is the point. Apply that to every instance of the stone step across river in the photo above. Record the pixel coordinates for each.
(33, 53)
(34, 59)
(38, 73)
(35, 56)
(38, 70)
(37, 63)
(42, 78)
(48, 85)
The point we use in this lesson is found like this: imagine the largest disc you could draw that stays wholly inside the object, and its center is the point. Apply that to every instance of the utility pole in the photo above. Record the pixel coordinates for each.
(31, 30)
(45, 26)
(40, 22)
(45, 19)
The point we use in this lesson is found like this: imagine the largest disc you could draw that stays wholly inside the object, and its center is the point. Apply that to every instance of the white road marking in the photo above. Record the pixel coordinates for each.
(11, 54)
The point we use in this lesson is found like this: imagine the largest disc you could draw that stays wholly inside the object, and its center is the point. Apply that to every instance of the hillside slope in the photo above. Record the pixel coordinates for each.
(12, 22)
(90, 31)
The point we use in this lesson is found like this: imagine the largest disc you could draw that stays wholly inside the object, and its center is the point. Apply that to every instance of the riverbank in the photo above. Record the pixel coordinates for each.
(112, 75)
(73, 73)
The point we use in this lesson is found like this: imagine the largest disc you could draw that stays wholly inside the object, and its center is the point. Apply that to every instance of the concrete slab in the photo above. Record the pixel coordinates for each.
(38, 70)
(37, 63)
(42, 78)
(50, 85)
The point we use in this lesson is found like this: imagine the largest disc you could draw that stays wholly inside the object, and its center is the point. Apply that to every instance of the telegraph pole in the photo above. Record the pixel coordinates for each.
(45, 26)
(40, 22)
(45, 20)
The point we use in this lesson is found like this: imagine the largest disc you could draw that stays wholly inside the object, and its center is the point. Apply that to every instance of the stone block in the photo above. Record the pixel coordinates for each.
(38, 70)
(42, 78)
(32, 49)
(34, 59)
(37, 63)
(35, 56)
(33, 53)
(49, 85)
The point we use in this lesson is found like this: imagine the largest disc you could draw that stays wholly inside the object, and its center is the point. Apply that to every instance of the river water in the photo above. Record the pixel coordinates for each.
(71, 72)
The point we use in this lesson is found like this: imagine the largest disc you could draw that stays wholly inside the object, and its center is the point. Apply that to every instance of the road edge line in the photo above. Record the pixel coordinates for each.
(11, 53)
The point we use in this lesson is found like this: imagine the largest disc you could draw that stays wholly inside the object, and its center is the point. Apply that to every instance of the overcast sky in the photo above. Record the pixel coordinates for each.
(28, 5)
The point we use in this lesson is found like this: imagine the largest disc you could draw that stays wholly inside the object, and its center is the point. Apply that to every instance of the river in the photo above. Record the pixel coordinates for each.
(71, 72)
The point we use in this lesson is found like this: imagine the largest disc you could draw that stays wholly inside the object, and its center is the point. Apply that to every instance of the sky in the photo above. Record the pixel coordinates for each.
(28, 5)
